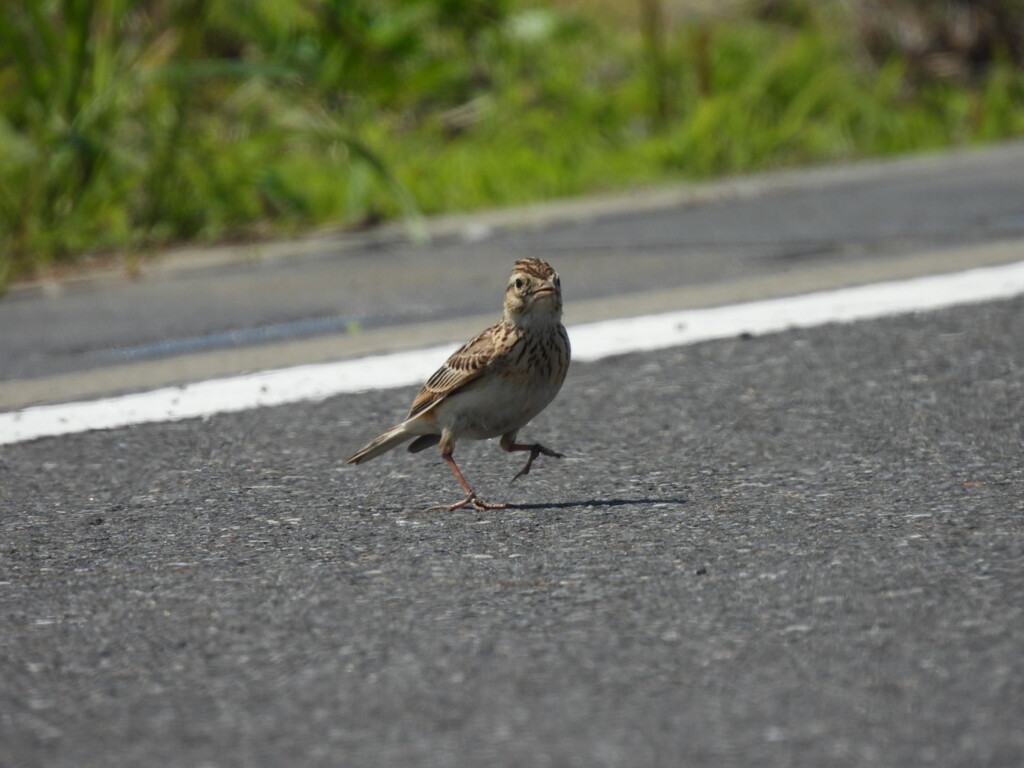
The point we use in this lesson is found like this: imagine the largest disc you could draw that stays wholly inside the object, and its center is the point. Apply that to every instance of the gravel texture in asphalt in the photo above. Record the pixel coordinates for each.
(801, 549)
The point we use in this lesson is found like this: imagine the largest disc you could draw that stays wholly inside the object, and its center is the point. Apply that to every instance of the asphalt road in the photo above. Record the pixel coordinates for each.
(802, 549)
(199, 314)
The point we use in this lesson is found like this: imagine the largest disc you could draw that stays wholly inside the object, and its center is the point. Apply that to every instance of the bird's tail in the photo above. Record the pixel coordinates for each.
(393, 438)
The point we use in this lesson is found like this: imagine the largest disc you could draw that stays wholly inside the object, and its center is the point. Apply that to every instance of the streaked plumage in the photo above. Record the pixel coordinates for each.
(495, 383)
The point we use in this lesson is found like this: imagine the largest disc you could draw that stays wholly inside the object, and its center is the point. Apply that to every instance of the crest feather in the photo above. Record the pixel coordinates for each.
(534, 267)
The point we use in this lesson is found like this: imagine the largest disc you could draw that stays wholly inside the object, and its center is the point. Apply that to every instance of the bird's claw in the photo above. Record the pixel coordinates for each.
(536, 451)
(477, 503)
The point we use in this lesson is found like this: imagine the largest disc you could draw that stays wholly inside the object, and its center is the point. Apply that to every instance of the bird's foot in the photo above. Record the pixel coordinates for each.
(535, 451)
(477, 503)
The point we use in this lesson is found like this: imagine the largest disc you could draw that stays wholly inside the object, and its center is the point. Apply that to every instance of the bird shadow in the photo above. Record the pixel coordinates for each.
(600, 503)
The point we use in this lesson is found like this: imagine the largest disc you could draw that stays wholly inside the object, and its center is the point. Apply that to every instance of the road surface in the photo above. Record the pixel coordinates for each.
(805, 548)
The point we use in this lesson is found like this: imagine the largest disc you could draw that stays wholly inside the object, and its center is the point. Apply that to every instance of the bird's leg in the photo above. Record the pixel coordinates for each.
(471, 497)
(535, 449)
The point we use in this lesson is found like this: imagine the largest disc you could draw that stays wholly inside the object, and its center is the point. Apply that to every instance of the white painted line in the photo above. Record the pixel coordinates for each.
(591, 341)
(920, 294)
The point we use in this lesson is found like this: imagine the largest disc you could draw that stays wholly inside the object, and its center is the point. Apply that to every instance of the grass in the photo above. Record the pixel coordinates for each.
(127, 126)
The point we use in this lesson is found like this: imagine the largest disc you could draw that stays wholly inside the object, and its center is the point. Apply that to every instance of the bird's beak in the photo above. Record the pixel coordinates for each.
(546, 289)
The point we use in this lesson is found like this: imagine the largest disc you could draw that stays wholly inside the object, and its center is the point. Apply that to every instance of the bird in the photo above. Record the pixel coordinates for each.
(494, 384)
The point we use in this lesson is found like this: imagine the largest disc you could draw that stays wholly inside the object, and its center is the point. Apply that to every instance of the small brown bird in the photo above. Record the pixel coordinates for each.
(495, 383)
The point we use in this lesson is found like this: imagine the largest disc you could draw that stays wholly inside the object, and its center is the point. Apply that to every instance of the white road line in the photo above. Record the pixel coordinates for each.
(591, 341)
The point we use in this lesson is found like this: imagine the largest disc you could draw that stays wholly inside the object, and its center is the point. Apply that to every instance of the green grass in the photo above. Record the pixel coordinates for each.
(128, 126)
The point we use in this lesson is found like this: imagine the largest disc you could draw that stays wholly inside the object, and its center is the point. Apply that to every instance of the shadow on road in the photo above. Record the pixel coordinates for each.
(597, 503)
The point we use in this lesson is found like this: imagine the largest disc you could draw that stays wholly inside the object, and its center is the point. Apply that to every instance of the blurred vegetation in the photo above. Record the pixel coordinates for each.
(131, 124)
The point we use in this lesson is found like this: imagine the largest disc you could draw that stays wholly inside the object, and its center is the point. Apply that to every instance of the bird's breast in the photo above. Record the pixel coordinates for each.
(510, 393)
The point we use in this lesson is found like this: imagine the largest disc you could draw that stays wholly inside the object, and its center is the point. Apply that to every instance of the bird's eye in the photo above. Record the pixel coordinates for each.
(519, 282)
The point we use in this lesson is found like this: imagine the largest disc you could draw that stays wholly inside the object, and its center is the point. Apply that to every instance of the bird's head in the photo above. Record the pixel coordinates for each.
(534, 292)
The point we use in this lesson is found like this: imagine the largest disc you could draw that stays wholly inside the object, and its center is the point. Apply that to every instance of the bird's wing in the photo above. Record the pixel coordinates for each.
(466, 364)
